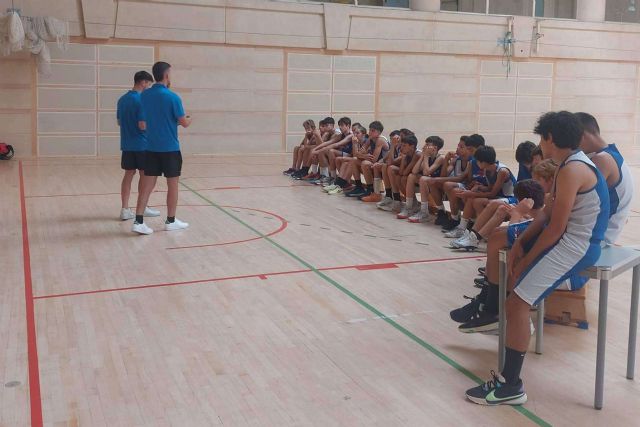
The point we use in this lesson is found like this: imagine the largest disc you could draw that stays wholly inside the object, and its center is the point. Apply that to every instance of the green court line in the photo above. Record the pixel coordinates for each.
(524, 411)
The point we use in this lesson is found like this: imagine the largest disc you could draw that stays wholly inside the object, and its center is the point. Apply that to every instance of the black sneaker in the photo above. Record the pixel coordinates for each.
(482, 321)
(482, 271)
(450, 225)
(441, 218)
(356, 192)
(480, 282)
(497, 392)
(289, 171)
(465, 313)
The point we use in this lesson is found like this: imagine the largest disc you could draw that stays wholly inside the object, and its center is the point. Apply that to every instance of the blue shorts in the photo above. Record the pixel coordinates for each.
(510, 200)
(516, 229)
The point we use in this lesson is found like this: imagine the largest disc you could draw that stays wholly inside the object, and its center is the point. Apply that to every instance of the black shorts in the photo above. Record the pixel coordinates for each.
(132, 160)
(167, 163)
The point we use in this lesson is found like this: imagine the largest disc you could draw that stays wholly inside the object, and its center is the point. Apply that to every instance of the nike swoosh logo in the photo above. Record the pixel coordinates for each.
(491, 398)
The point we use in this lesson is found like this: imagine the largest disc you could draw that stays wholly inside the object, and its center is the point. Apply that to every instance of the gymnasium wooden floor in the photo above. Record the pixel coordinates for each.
(278, 306)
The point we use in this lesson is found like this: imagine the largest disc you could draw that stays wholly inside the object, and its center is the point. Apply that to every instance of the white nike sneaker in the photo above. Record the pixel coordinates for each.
(151, 212)
(455, 233)
(385, 204)
(141, 228)
(468, 241)
(175, 225)
(126, 214)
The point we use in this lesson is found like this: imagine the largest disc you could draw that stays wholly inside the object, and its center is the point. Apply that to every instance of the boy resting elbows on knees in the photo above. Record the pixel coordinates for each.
(394, 157)
(429, 167)
(471, 176)
(378, 146)
(327, 152)
(563, 240)
(500, 183)
(379, 168)
(398, 175)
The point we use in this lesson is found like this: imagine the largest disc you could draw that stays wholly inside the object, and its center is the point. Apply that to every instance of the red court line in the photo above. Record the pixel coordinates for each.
(376, 267)
(263, 276)
(32, 344)
(164, 191)
(283, 225)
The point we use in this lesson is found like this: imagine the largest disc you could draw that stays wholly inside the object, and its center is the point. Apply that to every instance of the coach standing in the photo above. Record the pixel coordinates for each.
(164, 112)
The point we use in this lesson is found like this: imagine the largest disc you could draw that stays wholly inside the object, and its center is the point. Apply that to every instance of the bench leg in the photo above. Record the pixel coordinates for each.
(502, 315)
(539, 327)
(602, 340)
(633, 323)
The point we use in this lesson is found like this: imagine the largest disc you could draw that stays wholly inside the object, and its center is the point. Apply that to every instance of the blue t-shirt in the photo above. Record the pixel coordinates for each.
(162, 108)
(523, 172)
(130, 112)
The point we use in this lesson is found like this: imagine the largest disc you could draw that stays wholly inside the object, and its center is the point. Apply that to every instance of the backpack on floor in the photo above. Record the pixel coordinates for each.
(6, 151)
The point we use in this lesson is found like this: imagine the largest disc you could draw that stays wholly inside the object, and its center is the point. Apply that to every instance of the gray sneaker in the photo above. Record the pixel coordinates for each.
(385, 204)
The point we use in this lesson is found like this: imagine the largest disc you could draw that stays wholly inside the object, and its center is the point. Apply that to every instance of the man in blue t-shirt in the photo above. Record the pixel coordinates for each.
(133, 141)
(163, 113)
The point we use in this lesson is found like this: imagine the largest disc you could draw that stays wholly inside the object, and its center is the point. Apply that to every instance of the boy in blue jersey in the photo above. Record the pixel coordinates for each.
(499, 186)
(471, 176)
(527, 155)
(163, 112)
(563, 240)
(133, 141)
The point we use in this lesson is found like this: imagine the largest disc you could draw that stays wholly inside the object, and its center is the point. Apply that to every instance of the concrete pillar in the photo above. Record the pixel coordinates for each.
(591, 10)
(425, 5)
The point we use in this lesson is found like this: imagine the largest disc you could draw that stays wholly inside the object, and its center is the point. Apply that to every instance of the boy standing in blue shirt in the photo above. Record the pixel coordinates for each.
(133, 141)
(163, 112)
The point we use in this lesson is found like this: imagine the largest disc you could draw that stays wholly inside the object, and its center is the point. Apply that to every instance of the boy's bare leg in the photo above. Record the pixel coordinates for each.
(497, 240)
(410, 189)
(479, 204)
(425, 184)
(452, 190)
(492, 223)
(367, 172)
(148, 183)
(403, 187)
(172, 196)
(297, 157)
(125, 187)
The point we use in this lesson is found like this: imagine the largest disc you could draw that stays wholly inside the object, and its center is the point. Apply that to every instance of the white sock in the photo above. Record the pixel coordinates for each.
(314, 168)
(324, 171)
(424, 206)
(377, 185)
(463, 223)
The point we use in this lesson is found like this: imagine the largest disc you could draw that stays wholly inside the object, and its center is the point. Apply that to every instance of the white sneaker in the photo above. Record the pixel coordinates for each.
(126, 214)
(151, 212)
(175, 225)
(386, 202)
(141, 228)
(455, 233)
(467, 241)
(328, 188)
(397, 206)
(420, 216)
(404, 213)
(482, 246)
